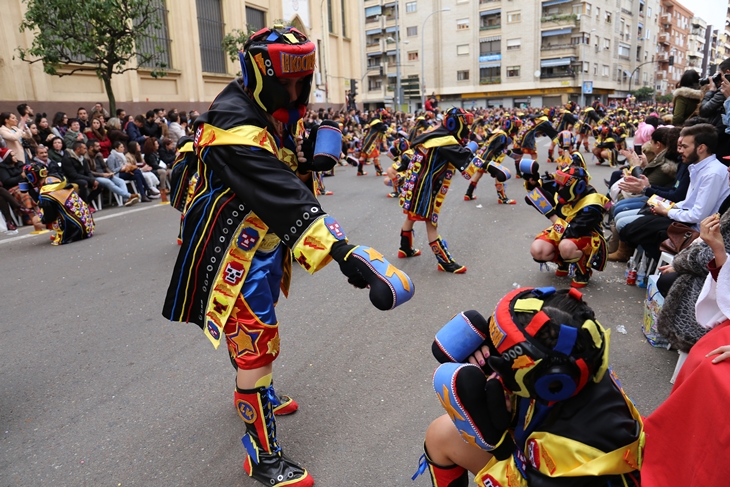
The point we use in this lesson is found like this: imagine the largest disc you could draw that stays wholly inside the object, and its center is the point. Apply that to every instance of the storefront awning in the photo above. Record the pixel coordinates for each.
(551, 63)
(557, 32)
(490, 12)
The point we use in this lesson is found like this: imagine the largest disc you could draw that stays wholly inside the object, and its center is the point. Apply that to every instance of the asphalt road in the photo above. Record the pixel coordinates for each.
(97, 389)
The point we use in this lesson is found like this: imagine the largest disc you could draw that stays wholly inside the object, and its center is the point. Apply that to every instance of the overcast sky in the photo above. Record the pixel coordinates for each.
(711, 11)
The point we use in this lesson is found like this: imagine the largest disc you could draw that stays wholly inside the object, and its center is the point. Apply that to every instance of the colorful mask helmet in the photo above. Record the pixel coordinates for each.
(400, 145)
(530, 368)
(577, 159)
(271, 54)
(574, 183)
(457, 121)
(35, 173)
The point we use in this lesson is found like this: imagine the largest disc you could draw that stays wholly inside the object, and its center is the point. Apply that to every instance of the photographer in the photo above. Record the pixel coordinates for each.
(711, 108)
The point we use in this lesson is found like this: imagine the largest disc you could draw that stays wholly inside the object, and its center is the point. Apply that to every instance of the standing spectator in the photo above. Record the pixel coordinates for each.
(99, 108)
(152, 159)
(77, 171)
(118, 165)
(712, 108)
(134, 128)
(13, 135)
(26, 115)
(121, 114)
(74, 134)
(44, 131)
(686, 97)
(97, 132)
(105, 177)
(83, 117)
(134, 157)
(60, 124)
(192, 116)
(176, 132)
(115, 132)
(151, 128)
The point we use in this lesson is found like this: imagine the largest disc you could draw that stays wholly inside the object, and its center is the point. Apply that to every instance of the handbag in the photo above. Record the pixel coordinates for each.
(679, 237)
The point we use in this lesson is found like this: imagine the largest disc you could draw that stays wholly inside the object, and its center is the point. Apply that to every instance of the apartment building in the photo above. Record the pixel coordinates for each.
(479, 53)
(190, 44)
(696, 45)
(674, 29)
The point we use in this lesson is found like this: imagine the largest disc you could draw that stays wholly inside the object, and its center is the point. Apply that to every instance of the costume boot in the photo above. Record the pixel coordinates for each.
(283, 405)
(360, 165)
(470, 192)
(582, 272)
(378, 169)
(441, 476)
(264, 460)
(614, 239)
(563, 268)
(406, 245)
(622, 254)
(446, 263)
(503, 200)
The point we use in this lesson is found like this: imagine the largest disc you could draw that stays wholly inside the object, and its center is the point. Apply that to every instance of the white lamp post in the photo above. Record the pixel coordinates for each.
(582, 71)
(423, 57)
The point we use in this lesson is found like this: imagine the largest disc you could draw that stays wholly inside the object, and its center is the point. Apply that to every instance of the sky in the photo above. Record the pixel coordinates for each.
(711, 11)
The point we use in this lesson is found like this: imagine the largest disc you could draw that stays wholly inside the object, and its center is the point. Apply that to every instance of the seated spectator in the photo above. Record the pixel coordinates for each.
(117, 164)
(56, 153)
(11, 175)
(105, 177)
(167, 153)
(61, 206)
(685, 439)
(77, 171)
(13, 135)
(42, 157)
(133, 130)
(134, 157)
(115, 132)
(83, 117)
(44, 131)
(121, 114)
(60, 124)
(74, 134)
(97, 132)
(644, 131)
(151, 159)
(9, 204)
(176, 132)
(707, 189)
(151, 128)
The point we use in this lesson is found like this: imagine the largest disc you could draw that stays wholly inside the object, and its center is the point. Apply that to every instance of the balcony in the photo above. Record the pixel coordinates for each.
(661, 74)
(559, 74)
(373, 47)
(490, 27)
(490, 81)
(663, 38)
(665, 19)
(662, 57)
(566, 20)
(559, 50)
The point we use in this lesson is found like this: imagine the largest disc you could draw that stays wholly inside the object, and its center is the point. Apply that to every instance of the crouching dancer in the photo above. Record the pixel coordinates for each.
(251, 213)
(528, 401)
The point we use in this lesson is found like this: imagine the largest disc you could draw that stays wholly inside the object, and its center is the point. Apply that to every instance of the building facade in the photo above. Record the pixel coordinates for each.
(674, 29)
(479, 53)
(190, 43)
(696, 45)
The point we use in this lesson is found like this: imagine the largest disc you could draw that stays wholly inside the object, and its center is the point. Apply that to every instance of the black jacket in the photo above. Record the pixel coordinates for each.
(711, 108)
(10, 176)
(153, 160)
(76, 170)
(151, 129)
(167, 156)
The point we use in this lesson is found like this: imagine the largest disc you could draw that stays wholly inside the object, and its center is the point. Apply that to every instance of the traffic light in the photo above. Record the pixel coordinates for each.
(671, 60)
(353, 88)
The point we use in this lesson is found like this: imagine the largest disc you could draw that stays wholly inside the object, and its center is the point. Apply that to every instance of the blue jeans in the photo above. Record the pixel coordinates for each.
(116, 185)
(629, 204)
(626, 217)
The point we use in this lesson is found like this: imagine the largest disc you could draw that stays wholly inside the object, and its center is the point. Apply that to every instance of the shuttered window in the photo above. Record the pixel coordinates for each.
(210, 30)
(156, 42)
(255, 19)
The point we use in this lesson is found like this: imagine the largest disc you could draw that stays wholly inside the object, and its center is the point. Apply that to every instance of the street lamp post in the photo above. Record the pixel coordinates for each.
(582, 71)
(423, 57)
(397, 58)
(325, 35)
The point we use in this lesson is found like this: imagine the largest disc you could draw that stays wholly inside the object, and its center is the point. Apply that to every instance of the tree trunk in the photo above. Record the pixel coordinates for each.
(110, 94)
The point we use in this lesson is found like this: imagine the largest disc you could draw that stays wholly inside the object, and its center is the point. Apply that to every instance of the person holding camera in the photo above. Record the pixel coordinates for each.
(712, 108)
(13, 134)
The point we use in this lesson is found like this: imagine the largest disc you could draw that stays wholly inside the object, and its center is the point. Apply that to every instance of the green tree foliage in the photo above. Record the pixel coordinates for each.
(644, 93)
(107, 37)
(236, 39)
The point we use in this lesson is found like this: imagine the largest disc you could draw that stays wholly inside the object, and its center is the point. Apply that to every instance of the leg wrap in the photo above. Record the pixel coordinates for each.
(264, 459)
(470, 191)
(446, 263)
(503, 200)
(406, 245)
(378, 169)
(583, 271)
(442, 476)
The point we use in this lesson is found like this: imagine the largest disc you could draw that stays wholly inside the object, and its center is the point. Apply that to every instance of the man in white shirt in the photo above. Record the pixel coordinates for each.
(708, 189)
(175, 130)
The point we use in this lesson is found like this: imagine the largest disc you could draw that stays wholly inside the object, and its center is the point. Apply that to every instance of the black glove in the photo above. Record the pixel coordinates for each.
(348, 267)
(322, 156)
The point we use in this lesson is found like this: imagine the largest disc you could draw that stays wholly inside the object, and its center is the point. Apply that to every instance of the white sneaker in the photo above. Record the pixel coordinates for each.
(153, 196)
(154, 191)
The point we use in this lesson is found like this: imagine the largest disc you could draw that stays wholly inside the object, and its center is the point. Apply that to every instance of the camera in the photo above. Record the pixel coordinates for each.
(717, 79)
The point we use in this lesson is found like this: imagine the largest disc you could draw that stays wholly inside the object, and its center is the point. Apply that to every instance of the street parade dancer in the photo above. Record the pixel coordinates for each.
(489, 159)
(575, 210)
(370, 148)
(436, 156)
(62, 209)
(530, 399)
(401, 153)
(585, 128)
(253, 212)
(183, 179)
(540, 126)
(565, 122)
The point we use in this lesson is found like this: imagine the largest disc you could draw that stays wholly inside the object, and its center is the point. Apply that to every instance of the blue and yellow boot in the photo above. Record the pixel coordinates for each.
(446, 263)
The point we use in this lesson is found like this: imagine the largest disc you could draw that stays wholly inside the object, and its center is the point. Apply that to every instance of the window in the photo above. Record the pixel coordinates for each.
(412, 31)
(648, 11)
(492, 21)
(586, 66)
(595, 68)
(210, 28)
(255, 19)
(607, 43)
(608, 17)
(493, 46)
(605, 71)
(411, 7)
(462, 75)
(514, 44)
(343, 12)
(624, 51)
(329, 17)
(462, 49)
(588, 9)
(489, 76)
(598, 13)
(462, 24)
(513, 71)
(413, 56)
(513, 17)
(375, 84)
(156, 42)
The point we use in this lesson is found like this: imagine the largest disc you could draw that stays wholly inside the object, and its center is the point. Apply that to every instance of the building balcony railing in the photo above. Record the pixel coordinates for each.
(373, 47)
(661, 74)
(567, 20)
(663, 38)
(490, 81)
(484, 2)
(665, 19)
(559, 74)
(663, 57)
(490, 27)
